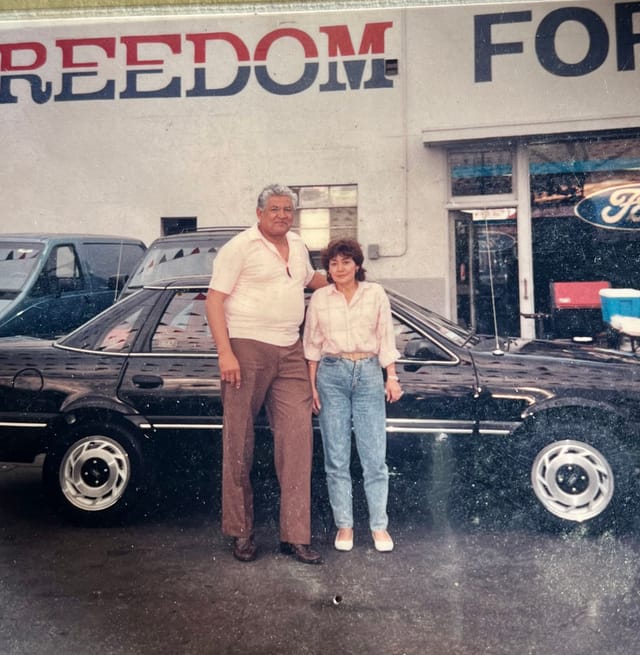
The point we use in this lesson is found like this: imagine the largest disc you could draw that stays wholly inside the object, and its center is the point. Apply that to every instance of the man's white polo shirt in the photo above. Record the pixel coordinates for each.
(266, 294)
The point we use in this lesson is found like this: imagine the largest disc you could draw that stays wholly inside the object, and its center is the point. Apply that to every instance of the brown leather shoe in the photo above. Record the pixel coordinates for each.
(302, 552)
(244, 549)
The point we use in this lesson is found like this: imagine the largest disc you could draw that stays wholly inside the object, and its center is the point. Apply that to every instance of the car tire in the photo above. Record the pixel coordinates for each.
(95, 474)
(575, 472)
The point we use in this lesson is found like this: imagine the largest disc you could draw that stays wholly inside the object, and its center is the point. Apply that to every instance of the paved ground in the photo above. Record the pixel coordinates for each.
(168, 584)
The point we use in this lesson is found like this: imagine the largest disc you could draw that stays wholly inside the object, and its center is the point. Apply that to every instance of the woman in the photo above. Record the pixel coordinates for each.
(348, 340)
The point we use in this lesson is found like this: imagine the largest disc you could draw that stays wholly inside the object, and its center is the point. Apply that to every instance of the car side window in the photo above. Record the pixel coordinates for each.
(414, 345)
(117, 331)
(121, 336)
(107, 260)
(61, 272)
(183, 326)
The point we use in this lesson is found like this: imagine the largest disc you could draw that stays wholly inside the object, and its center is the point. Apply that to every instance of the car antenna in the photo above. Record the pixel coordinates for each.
(497, 350)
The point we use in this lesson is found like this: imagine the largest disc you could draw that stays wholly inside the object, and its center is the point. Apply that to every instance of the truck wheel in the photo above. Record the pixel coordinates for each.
(95, 474)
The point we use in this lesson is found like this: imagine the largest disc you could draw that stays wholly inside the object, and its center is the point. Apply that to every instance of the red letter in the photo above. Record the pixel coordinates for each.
(7, 50)
(132, 42)
(200, 43)
(340, 42)
(67, 46)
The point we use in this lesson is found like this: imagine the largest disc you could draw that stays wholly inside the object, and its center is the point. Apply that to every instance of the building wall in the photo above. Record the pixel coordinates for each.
(117, 164)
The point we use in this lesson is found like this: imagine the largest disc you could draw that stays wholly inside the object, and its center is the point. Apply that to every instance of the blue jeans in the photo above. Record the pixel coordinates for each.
(352, 397)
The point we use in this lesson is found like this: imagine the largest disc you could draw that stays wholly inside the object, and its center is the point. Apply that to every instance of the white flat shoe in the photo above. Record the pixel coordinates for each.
(344, 545)
(383, 543)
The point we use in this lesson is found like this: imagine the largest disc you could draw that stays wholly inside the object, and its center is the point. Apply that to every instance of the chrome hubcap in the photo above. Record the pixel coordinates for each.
(94, 473)
(572, 480)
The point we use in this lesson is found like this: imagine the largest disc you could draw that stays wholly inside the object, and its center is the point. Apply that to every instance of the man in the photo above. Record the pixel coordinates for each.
(255, 306)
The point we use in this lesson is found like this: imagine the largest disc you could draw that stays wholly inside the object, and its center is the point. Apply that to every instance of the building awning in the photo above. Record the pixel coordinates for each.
(515, 130)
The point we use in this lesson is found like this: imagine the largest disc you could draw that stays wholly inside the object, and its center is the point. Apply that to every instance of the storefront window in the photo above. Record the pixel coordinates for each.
(315, 227)
(585, 215)
(325, 213)
(480, 172)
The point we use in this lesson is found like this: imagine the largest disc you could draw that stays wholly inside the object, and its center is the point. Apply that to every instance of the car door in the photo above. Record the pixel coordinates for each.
(447, 392)
(174, 379)
(57, 299)
(439, 385)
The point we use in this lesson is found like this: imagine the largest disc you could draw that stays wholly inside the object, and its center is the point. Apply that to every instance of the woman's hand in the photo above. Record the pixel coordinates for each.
(392, 390)
(316, 402)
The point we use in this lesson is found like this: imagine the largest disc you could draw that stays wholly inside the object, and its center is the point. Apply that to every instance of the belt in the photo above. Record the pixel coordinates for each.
(354, 357)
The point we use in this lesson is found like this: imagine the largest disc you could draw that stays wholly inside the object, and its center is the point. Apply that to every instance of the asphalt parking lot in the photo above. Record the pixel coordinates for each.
(167, 583)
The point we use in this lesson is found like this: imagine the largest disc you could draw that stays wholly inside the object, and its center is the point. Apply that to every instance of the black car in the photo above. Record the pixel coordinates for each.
(561, 419)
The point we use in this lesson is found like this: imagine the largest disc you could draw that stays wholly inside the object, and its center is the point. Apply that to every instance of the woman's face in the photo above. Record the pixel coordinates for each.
(342, 269)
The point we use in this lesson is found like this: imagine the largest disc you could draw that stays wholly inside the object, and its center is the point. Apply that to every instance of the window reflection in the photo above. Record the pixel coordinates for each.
(567, 248)
(414, 345)
(480, 172)
(116, 330)
(183, 326)
(563, 173)
(120, 337)
(325, 213)
(175, 261)
(17, 261)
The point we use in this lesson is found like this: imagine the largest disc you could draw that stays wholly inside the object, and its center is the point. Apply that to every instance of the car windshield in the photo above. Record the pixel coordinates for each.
(442, 326)
(17, 262)
(176, 259)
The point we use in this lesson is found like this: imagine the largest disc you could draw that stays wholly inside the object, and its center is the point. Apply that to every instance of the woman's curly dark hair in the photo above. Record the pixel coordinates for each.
(346, 248)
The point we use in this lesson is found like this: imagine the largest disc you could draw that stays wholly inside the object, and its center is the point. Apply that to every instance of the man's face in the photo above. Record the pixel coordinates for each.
(276, 219)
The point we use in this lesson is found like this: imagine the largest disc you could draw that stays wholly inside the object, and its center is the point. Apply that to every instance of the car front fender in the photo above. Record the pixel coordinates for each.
(571, 404)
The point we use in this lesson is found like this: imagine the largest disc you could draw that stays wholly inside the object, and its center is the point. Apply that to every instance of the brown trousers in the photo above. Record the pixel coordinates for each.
(278, 378)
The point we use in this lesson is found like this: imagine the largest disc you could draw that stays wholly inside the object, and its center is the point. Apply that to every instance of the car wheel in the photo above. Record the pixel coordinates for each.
(578, 473)
(95, 474)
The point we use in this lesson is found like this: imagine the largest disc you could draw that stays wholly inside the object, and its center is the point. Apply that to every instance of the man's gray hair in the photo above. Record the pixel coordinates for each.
(276, 190)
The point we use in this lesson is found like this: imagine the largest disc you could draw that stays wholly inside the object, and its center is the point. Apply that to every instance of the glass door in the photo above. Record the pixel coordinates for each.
(487, 288)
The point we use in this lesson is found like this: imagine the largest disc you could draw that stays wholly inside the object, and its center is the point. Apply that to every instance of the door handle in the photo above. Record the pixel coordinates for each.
(147, 381)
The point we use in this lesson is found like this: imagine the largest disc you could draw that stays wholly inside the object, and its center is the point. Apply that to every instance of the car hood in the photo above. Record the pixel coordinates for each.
(564, 349)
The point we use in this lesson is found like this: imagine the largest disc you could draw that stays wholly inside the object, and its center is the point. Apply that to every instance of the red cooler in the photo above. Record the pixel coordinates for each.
(576, 308)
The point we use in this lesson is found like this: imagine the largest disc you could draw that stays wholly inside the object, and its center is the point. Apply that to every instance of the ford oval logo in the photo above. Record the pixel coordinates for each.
(616, 208)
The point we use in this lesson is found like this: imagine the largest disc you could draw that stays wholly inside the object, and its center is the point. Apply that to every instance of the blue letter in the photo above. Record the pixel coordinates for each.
(485, 49)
